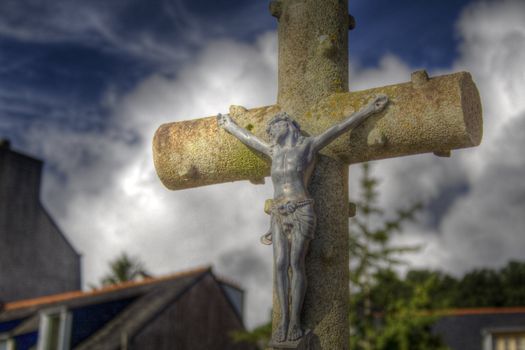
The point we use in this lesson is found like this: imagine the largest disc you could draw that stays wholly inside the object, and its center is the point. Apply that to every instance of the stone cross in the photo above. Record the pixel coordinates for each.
(423, 115)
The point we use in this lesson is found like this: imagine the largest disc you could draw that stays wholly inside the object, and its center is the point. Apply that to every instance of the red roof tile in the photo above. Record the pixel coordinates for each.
(48, 299)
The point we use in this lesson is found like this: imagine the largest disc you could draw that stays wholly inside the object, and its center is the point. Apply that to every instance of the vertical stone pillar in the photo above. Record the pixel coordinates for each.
(313, 51)
(313, 63)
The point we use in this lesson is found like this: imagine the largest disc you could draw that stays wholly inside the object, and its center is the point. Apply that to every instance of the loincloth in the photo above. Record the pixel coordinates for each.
(296, 217)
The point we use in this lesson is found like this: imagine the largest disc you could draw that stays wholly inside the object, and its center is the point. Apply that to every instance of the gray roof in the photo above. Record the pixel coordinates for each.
(462, 330)
(152, 296)
(135, 316)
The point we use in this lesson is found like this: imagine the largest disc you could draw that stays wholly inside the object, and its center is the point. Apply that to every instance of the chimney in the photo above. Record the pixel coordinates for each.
(5, 144)
(19, 179)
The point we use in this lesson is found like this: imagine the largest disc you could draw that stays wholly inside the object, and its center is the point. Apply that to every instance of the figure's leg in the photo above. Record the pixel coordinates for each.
(298, 254)
(281, 263)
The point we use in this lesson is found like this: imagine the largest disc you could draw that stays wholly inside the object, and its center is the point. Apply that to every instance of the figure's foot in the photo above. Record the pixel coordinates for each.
(280, 333)
(294, 332)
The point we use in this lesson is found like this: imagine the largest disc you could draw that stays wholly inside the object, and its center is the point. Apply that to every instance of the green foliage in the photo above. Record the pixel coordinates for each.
(259, 336)
(441, 287)
(489, 287)
(513, 283)
(370, 233)
(388, 312)
(124, 268)
(503, 287)
(407, 327)
(479, 288)
(372, 256)
(403, 320)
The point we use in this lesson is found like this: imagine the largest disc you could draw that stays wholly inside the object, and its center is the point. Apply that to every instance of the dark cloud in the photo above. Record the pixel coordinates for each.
(252, 267)
(437, 207)
(244, 265)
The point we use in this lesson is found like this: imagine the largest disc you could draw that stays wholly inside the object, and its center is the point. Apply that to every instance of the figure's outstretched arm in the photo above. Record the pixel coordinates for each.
(375, 106)
(246, 137)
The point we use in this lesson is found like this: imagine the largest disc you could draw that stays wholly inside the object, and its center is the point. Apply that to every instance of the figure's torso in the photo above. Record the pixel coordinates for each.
(291, 171)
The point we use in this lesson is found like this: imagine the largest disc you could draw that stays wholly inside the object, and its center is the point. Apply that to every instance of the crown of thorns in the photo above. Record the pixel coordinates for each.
(282, 116)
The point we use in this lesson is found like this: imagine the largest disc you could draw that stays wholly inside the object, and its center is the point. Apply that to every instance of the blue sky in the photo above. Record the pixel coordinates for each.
(59, 58)
(83, 85)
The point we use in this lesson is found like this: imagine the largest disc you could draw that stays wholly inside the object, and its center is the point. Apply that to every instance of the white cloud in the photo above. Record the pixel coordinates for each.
(97, 24)
(391, 70)
(483, 226)
(115, 202)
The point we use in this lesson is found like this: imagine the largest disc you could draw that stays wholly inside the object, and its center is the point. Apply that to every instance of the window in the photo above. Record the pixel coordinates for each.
(7, 344)
(55, 330)
(509, 341)
(505, 340)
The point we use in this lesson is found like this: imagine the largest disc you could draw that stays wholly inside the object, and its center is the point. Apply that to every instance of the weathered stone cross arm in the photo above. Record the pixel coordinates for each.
(423, 116)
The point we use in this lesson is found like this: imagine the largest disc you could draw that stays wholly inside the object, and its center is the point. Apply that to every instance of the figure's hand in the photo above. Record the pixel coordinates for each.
(224, 120)
(379, 103)
(291, 207)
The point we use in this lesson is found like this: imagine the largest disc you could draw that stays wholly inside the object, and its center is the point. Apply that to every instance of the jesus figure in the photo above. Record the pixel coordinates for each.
(293, 157)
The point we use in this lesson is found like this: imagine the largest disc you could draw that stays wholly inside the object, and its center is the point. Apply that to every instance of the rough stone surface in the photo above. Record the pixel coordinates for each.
(443, 112)
(197, 152)
(313, 52)
(304, 343)
(313, 64)
(326, 303)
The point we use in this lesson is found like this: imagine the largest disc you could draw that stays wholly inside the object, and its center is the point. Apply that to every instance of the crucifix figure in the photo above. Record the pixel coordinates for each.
(292, 213)
(423, 115)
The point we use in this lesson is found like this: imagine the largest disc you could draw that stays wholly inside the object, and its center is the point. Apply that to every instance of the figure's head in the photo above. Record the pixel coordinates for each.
(281, 125)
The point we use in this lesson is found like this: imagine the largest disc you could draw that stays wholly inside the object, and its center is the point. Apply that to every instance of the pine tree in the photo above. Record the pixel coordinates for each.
(371, 252)
(124, 268)
(407, 324)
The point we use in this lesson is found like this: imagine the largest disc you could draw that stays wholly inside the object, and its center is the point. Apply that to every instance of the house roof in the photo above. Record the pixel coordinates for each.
(468, 311)
(133, 318)
(228, 281)
(149, 298)
(482, 311)
(26, 308)
(465, 328)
